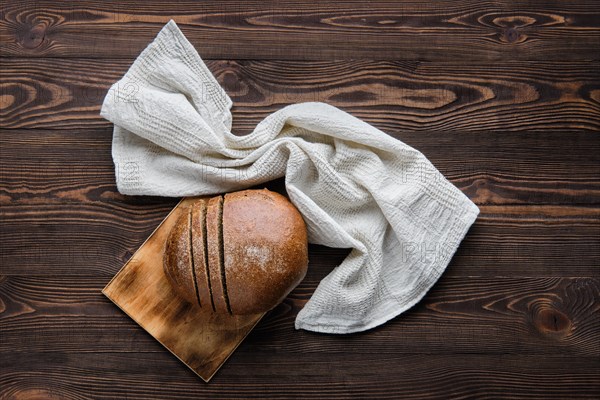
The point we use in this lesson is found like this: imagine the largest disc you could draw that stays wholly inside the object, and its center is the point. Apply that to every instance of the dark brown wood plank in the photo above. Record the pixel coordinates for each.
(441, 30)
(62, 215)
(277, 375)
(468, 315)
(492, 168)
(97, 239)
(402, 96)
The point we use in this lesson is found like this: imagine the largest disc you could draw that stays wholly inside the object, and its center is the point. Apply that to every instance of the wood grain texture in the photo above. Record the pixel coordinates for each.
(395, 96)
(277, 375)
(466, 315)
(408, 29)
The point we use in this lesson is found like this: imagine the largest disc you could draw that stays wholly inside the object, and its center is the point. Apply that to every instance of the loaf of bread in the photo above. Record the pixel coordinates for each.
(241, 253)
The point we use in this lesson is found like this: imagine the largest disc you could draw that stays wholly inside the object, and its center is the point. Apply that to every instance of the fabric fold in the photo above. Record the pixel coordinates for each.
(355, 186)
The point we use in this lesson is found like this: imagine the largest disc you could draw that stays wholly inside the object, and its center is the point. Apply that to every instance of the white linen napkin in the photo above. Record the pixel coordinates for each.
(355, 186)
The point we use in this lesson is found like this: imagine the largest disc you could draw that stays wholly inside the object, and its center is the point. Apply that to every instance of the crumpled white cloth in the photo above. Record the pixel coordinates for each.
(355, 186)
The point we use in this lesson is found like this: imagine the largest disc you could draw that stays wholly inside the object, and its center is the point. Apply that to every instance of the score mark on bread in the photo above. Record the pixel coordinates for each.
(241, 253)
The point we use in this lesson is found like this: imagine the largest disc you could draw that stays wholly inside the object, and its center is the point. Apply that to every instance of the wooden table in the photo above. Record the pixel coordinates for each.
(503, 97)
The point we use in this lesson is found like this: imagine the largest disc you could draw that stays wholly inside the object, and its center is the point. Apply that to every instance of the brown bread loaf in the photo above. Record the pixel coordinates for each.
(241, 253)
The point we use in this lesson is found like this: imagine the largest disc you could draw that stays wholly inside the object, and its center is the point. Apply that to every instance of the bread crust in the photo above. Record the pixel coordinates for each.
(178, 259)
(265, 249)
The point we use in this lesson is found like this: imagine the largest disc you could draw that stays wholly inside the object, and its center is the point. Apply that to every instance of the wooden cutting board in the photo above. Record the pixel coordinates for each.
(201, 339)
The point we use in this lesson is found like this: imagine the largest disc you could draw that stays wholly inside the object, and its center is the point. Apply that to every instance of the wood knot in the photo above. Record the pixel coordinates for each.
(34, 37)
(511, 35)
(6, 100)
(37, 393)
(550, 321)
